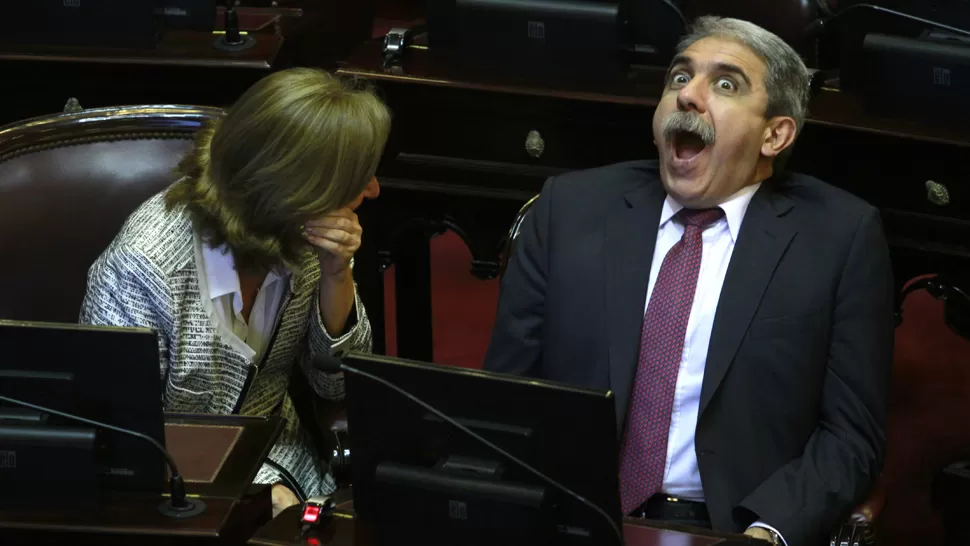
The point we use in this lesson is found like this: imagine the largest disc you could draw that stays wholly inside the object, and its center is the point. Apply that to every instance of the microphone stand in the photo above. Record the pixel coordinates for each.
(817, 26)
(233, 39)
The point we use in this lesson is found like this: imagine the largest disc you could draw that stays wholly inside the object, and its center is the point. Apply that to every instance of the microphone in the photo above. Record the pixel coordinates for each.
(817, 26)
(179, 505)
(331, 364)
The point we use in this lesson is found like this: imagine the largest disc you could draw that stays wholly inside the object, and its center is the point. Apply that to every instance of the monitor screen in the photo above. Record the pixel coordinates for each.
(102, 373)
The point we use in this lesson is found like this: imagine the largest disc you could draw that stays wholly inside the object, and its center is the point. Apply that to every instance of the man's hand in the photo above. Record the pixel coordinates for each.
(336, 237)
(760, 533)
(283, 498)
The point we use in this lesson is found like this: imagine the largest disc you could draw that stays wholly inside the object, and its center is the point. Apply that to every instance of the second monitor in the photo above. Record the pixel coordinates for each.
(421, 479)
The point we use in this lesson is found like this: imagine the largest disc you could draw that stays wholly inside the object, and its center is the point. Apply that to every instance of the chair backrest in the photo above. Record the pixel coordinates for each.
(929, 419)
(510, 239)
(67, 184)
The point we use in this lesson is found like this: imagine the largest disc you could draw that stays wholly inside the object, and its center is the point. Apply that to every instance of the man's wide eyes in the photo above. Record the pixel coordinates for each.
(723, 83)
(726, 84)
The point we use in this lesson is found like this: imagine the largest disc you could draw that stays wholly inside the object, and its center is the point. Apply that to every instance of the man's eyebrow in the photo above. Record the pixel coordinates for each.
(679, 60)
(733, 69)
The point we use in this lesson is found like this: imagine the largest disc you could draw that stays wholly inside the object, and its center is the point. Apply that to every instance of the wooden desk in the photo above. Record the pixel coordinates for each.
(457, 159)
(176, 49)
(184, 67)
(219, 472)
(345, 530)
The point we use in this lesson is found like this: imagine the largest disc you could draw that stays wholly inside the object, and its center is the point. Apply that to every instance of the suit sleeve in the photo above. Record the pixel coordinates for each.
(845, 454)
(516, 344)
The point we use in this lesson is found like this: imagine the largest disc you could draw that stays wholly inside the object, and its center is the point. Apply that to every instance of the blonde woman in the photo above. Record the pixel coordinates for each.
(243, 265)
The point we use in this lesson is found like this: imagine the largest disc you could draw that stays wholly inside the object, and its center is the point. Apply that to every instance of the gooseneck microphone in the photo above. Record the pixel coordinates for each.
(330, 364)
(817, 26)
(179, 505)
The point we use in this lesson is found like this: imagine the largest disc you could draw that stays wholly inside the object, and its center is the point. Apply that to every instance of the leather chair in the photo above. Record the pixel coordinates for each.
(67, 183)
(857, 531)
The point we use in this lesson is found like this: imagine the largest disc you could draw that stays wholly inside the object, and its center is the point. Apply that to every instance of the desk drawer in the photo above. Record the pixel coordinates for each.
(916, 176)
(920, 187)
(516, 130)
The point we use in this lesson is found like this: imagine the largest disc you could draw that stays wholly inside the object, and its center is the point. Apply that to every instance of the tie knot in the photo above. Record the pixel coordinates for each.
(700, 217)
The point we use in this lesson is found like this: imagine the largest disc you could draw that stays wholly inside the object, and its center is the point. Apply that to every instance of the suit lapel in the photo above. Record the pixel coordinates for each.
(764, 236)
(631, 234)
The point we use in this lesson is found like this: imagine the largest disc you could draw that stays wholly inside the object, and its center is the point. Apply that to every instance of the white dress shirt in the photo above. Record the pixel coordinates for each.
(681, 476)
(225, 296)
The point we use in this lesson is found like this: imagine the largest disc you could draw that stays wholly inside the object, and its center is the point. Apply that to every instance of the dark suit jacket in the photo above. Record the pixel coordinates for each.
(792, 421)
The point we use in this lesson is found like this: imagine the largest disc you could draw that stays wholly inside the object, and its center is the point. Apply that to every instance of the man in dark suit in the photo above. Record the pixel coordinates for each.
(741, 315)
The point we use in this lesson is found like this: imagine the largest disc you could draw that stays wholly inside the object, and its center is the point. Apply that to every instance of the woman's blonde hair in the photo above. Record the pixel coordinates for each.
(296, 145)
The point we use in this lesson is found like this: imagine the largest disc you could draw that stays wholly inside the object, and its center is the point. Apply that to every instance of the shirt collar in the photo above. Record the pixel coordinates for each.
(734, 208)
(220, 272)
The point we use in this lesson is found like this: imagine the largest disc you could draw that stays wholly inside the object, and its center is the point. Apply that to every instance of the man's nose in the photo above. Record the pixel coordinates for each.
(692, 96)
(373, 189)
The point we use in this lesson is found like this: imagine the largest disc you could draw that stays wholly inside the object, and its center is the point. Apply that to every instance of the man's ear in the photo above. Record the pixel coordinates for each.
(779, 135)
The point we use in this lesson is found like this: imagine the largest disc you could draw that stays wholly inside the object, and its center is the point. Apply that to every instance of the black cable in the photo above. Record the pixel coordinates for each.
(670, 4)
(816, 27)
(493, 447)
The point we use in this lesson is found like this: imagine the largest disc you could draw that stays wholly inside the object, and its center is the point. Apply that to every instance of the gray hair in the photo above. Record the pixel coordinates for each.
(787, 80)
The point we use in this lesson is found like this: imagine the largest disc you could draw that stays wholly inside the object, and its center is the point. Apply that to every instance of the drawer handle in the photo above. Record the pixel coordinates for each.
(937, 193)
(534, 145)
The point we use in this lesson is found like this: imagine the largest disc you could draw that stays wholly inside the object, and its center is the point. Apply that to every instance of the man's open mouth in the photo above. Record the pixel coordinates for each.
(687, 145)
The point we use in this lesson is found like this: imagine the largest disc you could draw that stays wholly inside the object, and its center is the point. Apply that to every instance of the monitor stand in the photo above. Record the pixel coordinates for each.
(31, 447)
(460, 500)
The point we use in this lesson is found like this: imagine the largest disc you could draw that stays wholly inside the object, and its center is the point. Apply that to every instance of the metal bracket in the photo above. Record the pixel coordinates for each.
(395, 41)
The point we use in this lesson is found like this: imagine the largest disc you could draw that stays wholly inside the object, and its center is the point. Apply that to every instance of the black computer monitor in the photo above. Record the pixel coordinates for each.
(103, 373)
(197, 15)
(422, 481)
(132, 24)
(584, 38)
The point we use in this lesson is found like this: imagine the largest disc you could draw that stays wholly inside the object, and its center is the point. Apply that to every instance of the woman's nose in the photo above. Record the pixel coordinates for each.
(373, 189)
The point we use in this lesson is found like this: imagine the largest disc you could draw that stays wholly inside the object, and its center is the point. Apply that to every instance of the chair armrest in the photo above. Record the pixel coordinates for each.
(853, 534)
(868, 511)
(859, 529)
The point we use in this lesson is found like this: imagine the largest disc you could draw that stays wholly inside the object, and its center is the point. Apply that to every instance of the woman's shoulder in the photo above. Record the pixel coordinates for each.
(159, 235)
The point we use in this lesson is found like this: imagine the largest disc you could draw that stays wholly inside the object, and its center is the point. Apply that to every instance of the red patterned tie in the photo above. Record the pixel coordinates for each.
(643, 451)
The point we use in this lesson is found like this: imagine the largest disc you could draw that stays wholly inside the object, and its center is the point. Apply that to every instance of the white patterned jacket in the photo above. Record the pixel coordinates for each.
(148, 277)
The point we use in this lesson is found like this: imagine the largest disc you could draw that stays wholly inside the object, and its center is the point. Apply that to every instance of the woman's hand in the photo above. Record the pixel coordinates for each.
(336, 237)
(283, 498)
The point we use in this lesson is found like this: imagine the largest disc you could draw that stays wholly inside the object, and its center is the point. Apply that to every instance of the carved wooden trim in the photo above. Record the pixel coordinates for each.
(103, 125)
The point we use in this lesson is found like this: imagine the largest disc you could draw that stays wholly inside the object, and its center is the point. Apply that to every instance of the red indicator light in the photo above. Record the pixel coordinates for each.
(311, 513)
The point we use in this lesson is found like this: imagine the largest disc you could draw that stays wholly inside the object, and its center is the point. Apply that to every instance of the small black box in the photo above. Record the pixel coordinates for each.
(197, 15)
(575, 27)
(85, 23)
(923, 75)
(65, 455)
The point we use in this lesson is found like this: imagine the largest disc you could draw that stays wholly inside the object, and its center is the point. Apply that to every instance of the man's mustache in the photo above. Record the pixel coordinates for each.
(688, 122)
